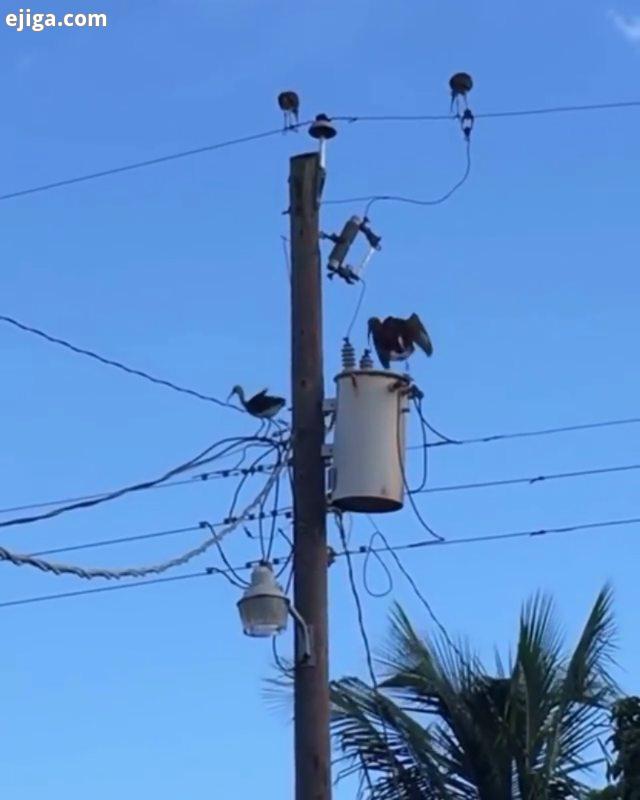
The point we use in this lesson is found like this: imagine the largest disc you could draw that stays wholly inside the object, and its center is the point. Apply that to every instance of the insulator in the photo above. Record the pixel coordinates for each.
(466, 123)
(321, 128)
(348, 355)
(344, 241)
(366, 362)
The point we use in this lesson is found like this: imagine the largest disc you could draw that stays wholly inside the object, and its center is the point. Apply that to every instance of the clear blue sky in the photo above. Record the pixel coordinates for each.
(527, 279)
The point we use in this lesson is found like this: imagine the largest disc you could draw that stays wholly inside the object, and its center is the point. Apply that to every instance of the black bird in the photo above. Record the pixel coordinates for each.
(460, 84)
(261, 405)
(395, 339)
(289, 103)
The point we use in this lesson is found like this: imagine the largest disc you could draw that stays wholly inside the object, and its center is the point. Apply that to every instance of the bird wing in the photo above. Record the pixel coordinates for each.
(263, 393)
(382, 352)
(419, 334)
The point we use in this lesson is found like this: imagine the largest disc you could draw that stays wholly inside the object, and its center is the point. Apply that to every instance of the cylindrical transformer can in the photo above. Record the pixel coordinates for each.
(368, 472)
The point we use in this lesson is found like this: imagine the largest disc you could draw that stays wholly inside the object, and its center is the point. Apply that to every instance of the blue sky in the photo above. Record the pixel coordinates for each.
(527, 280)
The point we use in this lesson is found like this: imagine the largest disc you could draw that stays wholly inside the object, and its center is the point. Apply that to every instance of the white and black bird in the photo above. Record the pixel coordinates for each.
(395, 339)
(289, 103)
(261, 405)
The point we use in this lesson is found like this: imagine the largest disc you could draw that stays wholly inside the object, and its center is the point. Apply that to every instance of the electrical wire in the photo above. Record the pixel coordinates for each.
(341, 118)
(140, 537)
(202, 477)
(236, 497)
(371, 551)
(529, 480)
(417, 202)
(367, 648)
(199, 460)
(417, 545)
(150, 162)
(425, 448)
(495, 437)
(568, 109)
(234, 577)
(400, 455)
(371, 200)
(527, 112)
(55, 568)
(343, 554)
(285, 512)
(276, 500)
(61, 595)
(429, 608)
(117, 364)
(354, 318)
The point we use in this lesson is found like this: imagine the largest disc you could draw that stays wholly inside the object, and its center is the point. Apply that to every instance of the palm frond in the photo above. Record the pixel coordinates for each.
(585, 693)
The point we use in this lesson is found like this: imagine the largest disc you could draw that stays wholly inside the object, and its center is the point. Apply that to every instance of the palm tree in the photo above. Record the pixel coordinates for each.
(439, 727)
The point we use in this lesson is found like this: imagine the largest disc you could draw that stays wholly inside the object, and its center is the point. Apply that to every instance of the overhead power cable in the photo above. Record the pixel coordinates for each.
(60, 595)
(214, 539)
(352, 552)
(286, 512)
(372, 199)
(200, 460)
(496, 537)
(149, 162)
(152, 162)
(496, 437)
(201, 477)
(116, 364)
(523, 112)
(528, 480)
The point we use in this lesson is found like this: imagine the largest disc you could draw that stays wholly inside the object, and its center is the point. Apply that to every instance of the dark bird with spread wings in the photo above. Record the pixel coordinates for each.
(289, 103)
(395, 339)
(261, 405)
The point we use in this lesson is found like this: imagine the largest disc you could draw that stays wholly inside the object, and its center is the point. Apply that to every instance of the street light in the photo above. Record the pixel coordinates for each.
(264, 607)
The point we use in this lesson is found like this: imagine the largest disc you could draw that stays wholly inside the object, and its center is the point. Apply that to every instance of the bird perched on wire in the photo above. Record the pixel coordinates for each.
(261, 405)
(460, 84)
(395, 339)
(289, 103)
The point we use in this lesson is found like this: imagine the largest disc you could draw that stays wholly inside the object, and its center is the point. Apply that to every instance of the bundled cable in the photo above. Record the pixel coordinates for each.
(140, 572)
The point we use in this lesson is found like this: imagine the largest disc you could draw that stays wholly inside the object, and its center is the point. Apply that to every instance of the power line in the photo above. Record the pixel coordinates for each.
(150, 162)
(429, 608)
(342, 118)
(117, 364)
(495, 437)
(122, 540)
(202, 458)
(89, 503)
(88, 573)
(371, 200)
(286, 512)
(235, 472)
(499, 536)
(352, 552)
(60, 595)
(525, 112)
(201, 477)
(569, 109)
(529, 480)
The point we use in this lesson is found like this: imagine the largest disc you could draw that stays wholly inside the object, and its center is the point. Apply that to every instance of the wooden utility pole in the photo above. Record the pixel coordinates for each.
(310, 563)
